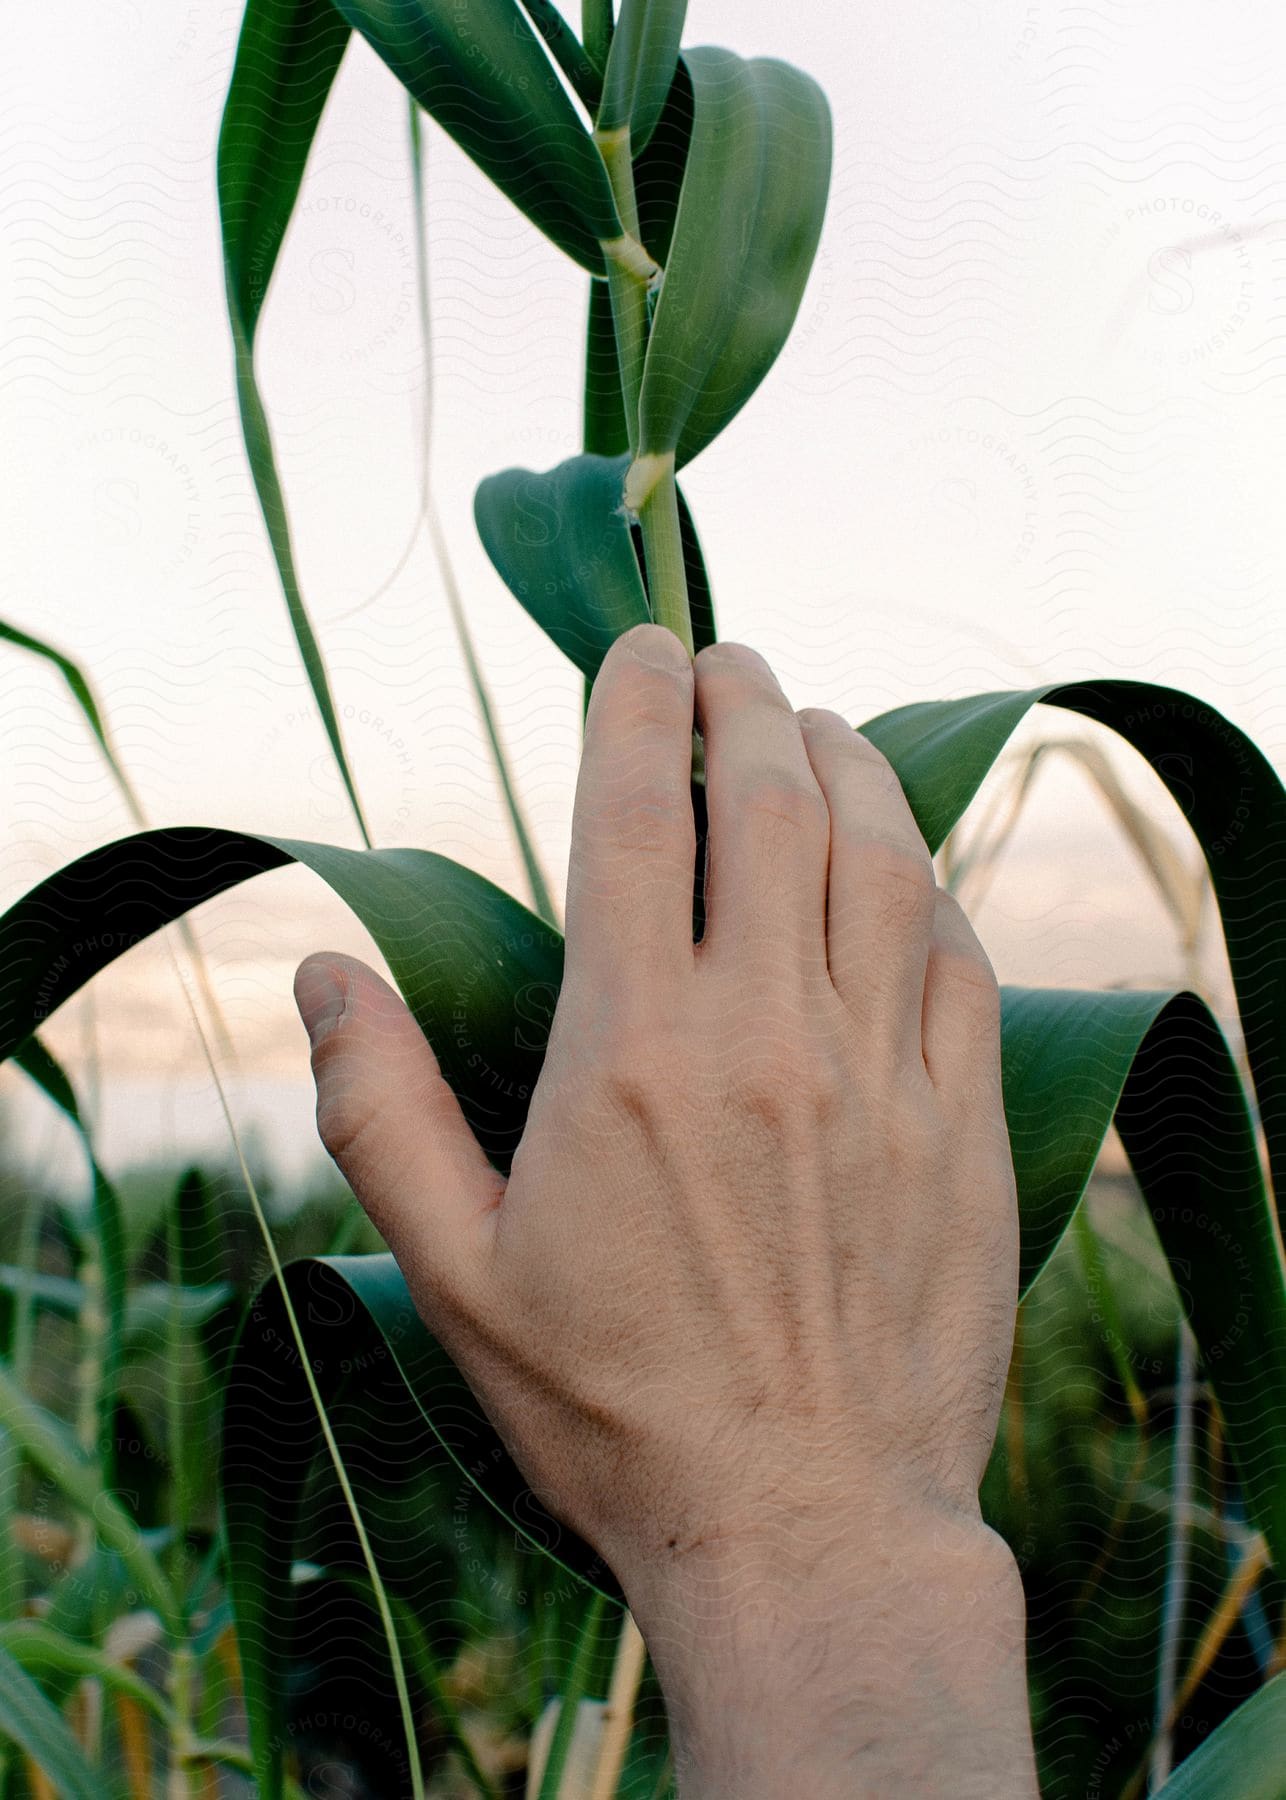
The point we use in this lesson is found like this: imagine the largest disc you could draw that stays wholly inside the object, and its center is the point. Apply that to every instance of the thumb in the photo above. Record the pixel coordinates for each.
(389, 1119)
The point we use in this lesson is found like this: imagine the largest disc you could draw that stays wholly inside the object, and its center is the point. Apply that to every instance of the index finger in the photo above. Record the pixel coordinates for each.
(633, 855)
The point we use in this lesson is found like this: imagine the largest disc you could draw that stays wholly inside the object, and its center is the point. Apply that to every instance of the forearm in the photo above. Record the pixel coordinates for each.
(886, 1670)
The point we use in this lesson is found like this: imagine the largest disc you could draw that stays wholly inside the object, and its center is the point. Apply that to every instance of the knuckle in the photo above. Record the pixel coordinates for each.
(903, 874)
(649, 820)
(729, 657)
(643, 693)
(639, 1069)
(784, 799)
(972, 977)
(344, 1119)
(790, 1093)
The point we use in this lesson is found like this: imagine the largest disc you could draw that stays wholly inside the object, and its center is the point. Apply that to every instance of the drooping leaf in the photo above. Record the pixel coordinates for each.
(83, 695)
(749, 219)
(483, 74)
(361, 1325)
(640, 67)
(288, 56)
(473, 964)
(1225, 788)
(1159, 1064)
(1244, 1759)
(561, 544)
(34, 1724)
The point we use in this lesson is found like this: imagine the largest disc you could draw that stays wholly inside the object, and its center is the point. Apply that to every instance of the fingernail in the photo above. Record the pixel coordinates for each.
(657, 647)
(320, 997)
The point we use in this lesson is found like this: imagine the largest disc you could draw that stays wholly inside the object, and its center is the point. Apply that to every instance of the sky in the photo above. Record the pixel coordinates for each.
(1029, 426)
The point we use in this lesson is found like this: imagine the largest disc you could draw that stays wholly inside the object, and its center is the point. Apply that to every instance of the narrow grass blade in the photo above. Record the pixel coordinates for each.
(31, 1722)
(42, 1651)
(107, 1241)
(596, 30)
(574, 1691)
(83, 695)
(46, 1443)
(542, 898)
(288, 55)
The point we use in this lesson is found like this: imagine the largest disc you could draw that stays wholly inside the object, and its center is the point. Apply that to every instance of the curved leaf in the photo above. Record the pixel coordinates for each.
(1242, 1760)
(32, 1722)
(361, 1326)
(478, 970)
(1226, 789)
(564, 547)
(83, 695)
(40, 1650)
(749, 219)
(561, 544)
(483, 73)
(288, 55)
(640, 67)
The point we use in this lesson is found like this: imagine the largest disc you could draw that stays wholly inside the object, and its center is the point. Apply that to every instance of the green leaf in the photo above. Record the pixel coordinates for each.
(567, 51)
(749, 219)
(154, 1306)
(30, 1721)
(1159, 1064)
(561, 544)
(83, 695)
(481, 975)
(640, 67)
(1225, 788)
(42, 1651)
(288, 55)
(475, 966)
(541, 897)
(603, 407)
(361, 1326)
(483, 74)
(1244, 1758)
(105, 1243)
(45, 1441)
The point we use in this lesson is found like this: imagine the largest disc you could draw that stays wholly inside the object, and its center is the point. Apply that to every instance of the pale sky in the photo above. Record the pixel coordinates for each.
(1030, 426)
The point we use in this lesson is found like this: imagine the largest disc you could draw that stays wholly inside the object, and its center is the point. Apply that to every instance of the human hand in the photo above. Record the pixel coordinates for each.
(743, 1310)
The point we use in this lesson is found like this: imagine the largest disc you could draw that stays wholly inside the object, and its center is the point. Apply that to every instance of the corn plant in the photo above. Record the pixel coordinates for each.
(689, 185)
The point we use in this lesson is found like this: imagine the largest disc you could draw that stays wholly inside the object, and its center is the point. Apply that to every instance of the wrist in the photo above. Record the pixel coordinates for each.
(891, 1660)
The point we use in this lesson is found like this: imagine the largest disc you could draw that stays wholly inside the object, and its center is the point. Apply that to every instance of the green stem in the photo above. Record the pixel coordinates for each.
(667, 577)
(569, 1706)
(629, 273)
